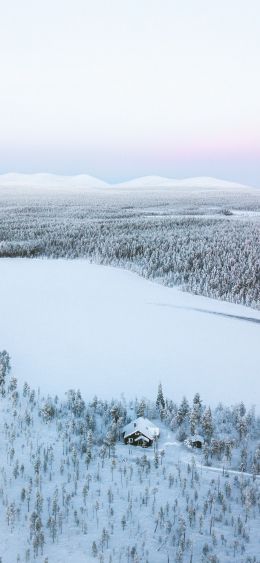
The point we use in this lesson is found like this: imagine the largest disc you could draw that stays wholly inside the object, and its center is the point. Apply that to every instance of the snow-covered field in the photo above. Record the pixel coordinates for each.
(71, 324)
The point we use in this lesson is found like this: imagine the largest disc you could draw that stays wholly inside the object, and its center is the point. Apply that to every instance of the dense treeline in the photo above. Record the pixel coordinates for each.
(216, 256)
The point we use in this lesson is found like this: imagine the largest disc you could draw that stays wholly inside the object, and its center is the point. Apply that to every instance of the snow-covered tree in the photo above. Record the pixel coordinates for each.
(160, 402)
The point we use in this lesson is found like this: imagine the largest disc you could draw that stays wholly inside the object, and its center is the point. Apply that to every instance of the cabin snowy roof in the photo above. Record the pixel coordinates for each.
(142, 425)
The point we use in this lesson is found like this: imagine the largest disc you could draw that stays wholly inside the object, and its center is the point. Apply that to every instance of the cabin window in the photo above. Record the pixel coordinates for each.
(130, 440)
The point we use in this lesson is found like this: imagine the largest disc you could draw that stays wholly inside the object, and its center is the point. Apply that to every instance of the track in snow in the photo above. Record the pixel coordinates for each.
(218, 313)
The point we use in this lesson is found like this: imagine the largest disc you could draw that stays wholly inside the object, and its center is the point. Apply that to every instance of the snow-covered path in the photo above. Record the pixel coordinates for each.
(74, 324)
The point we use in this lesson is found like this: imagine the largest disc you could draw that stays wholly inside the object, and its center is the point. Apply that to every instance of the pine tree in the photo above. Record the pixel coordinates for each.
(115, 413)
(243, 460)
(94, 549)
(141, 408)
(207, 424)
(183, 411)
(160, 402)
(241, 427)
(5, 367)
(52, 527)
(48, 411)
(256, 461)
(109, 441)
(195, 415)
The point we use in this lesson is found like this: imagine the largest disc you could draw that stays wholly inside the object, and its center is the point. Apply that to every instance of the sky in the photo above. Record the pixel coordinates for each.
(126, 88)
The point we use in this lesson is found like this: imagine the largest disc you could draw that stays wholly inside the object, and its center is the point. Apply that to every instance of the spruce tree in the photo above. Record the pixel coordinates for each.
(141, 408)
(207, 424)
(195, 416)
(160, 402)
(183, 411)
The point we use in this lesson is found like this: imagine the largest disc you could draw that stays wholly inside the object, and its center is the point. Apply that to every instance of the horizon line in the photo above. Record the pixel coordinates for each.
(152, 177)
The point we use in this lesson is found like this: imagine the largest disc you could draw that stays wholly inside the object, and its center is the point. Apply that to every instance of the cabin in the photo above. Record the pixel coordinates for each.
(140, 432)
(196, 441)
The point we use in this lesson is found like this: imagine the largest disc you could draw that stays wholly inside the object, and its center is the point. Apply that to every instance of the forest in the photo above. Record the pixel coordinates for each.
(205, 245)
(68, 479)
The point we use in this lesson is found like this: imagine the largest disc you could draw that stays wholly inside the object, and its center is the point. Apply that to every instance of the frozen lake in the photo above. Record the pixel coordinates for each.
(71, 324)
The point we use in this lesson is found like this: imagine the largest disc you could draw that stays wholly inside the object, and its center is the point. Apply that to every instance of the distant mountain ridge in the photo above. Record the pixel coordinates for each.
(84, 181)
(196, 182)
(50, 180)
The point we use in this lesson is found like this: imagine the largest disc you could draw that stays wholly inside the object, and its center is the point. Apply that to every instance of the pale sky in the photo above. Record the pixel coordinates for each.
(123, 88)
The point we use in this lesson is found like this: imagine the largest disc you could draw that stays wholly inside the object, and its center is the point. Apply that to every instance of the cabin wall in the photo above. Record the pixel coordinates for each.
(137, 442)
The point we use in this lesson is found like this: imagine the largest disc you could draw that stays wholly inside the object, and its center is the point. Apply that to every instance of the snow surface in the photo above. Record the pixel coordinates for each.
(71, 324)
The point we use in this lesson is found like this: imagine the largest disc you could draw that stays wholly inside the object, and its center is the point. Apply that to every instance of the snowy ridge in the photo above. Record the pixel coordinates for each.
(84, 181)
(50, 181)
(197, 182)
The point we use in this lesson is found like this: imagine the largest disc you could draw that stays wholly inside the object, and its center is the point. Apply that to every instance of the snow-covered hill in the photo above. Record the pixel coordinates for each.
(197, 182)
(50, 181)
(83, 181)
